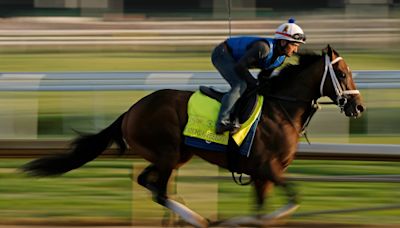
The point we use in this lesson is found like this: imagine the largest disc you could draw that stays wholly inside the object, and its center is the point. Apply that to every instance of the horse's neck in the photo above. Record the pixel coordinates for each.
(305, 89)
(307, 83)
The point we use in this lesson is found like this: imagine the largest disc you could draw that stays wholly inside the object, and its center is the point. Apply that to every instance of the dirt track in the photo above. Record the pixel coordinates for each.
(289, 225)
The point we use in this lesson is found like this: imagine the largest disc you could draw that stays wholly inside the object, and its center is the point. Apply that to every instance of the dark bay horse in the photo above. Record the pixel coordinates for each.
(153, 128)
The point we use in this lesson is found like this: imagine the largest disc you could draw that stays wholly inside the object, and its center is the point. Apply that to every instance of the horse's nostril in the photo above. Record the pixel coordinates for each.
(360, 108)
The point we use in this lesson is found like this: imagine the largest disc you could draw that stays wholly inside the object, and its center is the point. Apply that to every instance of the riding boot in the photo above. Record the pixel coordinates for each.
(224, 122)
(223, 126)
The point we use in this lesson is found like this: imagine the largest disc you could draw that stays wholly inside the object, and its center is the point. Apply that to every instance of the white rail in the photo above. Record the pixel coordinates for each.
(383, 152)
(75, 81)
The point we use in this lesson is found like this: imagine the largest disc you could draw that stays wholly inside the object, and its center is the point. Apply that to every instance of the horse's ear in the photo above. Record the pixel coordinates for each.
(327, 50)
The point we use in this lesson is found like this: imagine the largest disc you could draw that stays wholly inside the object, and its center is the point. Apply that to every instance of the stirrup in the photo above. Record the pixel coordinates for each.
(231, 127)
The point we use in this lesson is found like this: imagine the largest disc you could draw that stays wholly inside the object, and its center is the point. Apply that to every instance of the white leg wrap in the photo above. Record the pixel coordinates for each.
(187, 214)
(281, 212)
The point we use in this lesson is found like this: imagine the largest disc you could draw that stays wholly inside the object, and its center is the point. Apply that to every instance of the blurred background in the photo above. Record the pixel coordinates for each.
(78, 64)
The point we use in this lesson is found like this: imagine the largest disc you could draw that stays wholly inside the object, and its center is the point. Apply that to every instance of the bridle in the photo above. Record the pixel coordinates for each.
(341, 94)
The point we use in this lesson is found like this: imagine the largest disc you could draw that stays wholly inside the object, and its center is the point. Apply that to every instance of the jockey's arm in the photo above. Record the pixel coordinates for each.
(251, 59)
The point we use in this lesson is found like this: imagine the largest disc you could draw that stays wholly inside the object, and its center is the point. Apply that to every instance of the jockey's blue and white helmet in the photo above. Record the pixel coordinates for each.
(291, 32)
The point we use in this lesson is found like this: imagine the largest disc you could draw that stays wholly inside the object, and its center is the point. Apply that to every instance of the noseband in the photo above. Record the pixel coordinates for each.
(341, 94)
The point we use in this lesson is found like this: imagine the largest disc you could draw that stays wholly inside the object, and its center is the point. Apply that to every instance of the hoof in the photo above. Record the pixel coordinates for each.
(282, 212)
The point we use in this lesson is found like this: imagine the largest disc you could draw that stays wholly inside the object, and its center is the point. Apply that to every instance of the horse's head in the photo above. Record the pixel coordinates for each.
(337, 83)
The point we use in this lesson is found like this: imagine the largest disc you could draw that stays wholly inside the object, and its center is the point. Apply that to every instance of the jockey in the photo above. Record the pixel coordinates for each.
(235, 56)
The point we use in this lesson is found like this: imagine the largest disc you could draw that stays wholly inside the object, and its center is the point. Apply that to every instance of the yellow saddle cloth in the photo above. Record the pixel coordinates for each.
(203, 112)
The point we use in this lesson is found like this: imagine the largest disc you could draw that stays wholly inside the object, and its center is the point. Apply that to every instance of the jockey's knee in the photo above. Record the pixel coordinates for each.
(238, 90)
(242, 86)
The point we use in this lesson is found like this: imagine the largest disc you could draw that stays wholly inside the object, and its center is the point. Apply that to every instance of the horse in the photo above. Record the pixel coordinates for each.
(153, 126)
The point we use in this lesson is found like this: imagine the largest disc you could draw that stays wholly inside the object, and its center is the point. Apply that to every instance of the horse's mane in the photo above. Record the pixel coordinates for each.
(287, 74)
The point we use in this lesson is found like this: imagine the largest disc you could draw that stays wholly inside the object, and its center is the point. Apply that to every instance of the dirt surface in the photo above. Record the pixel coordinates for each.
(316, 225)
(277, 224)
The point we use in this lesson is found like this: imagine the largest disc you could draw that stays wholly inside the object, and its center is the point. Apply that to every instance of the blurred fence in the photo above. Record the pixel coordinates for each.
(64, 34)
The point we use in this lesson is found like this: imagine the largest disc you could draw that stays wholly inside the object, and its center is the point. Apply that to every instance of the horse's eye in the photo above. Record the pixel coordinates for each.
(340, 74)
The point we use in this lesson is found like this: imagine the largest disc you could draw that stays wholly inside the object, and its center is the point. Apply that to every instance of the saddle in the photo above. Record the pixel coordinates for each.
(243, 108)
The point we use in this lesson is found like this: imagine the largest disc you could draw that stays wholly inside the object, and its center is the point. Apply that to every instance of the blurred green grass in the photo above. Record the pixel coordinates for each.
(98, 193)
(101, 192)
(135, 61)
(153, 61)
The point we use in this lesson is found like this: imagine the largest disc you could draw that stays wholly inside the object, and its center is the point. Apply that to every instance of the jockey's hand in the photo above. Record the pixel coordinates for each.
(264, 80)
(251, 82)
(264, 75)
(264, 83)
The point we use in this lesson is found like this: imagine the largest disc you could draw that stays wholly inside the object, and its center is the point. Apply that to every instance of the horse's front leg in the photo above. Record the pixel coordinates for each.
(276, 175)
(271, 173)
(261, 187)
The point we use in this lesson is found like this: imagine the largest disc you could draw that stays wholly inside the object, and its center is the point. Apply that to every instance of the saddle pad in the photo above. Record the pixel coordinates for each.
(203, 112)
(243, 150)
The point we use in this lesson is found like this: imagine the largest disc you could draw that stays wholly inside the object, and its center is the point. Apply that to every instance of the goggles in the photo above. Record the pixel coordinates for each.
(296, 36)
(299, 36)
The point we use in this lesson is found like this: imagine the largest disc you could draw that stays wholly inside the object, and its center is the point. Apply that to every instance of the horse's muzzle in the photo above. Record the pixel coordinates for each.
(354, 107)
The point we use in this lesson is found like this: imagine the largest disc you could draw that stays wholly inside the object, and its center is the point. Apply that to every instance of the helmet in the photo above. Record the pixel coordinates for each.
(291, 32)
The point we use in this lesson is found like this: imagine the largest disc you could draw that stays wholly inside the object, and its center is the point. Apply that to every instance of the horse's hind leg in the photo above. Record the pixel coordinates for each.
(156, 180)
(147, 177)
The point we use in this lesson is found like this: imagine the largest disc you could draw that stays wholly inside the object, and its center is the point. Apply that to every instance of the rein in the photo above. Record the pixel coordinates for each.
(314, 108)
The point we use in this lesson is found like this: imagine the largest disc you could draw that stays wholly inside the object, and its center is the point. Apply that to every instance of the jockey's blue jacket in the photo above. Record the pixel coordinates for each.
(240, 44)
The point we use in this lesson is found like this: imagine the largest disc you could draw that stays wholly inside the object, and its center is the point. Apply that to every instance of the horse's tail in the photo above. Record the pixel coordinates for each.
(85, 148)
